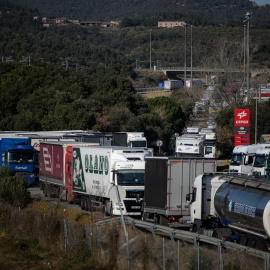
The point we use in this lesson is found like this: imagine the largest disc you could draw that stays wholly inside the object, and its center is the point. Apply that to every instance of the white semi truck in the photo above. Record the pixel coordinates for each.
(235, 208)
(210, 142)
(97, 170)
(261, 162)
(243, 157)
(189, 146)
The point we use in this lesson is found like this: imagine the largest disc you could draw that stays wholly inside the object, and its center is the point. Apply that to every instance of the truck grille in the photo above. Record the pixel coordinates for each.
(134, 193)
(133, 206)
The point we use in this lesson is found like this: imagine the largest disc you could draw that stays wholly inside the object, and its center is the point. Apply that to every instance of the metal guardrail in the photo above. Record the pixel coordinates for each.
(188, 236)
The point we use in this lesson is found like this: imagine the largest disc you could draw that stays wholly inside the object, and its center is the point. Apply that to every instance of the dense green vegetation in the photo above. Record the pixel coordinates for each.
(22, 38)
(149, 12)
(47, 97)
(13, 189)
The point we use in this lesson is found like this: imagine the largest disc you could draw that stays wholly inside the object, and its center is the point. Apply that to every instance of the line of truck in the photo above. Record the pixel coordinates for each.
(251, 159)
(181, 194)
(20, 149)
(196, 142)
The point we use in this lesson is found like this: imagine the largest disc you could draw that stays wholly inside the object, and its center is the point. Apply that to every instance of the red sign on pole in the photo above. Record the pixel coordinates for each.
(241, 117)
(241, 127)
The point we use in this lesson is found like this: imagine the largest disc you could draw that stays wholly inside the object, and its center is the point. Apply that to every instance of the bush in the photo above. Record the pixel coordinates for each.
(13, 189)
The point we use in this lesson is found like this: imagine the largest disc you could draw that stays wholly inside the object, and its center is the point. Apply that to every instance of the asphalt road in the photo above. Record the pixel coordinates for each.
(37, 193)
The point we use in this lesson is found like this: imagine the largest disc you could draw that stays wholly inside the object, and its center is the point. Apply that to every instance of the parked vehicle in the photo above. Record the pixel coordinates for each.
(173, 84)
(243, 157)
(97, 170)
(19, 155)
(197, 83)
(265, 138)
(193, 130)
(189, 146)
(261, 163)
(167, 181)
(210, 142)
(234, 208)
(131, 139)
(55, 168)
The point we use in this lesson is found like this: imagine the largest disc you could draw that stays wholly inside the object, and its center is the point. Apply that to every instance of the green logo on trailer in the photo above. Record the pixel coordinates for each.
(96, 164)
(78, 180)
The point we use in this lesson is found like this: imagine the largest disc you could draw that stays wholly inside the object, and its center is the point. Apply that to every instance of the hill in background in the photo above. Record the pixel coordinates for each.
(200, 11)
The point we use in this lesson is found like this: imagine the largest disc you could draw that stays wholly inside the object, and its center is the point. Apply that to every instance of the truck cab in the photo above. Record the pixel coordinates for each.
(210, 142)
(243, 157)
(19, 155)
(136, 139)
(261, 162)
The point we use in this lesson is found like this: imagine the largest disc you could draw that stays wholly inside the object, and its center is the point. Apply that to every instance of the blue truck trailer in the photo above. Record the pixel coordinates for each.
(19, 155)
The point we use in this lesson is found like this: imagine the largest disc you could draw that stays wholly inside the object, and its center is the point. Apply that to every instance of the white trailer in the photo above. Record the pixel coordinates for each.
(173, 84)
(189, 146)
(96, 170)
(193, 130)
(243, 157)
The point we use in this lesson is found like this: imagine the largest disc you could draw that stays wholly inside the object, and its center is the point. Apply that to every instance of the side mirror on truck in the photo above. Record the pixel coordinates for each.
(115, 172)
(3, 158)
(188, 198)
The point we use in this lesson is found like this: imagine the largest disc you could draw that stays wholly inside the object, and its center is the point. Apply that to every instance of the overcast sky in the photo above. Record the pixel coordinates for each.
(262, 2)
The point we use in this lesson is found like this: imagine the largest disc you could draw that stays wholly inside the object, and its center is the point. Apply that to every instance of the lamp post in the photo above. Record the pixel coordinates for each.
(191, 49)
(150, 49)
(185, 54)
(248, 17)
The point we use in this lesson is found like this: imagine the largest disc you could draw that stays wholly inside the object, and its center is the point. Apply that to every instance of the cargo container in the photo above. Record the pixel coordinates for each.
(55, 168)
(167, 181)
(173, 84)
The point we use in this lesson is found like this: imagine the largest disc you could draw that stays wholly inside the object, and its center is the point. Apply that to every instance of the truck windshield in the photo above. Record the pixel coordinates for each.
(22, 157)
(210, 142)
(236, 160)
(138, 143)
(130, 178)
(259, 161)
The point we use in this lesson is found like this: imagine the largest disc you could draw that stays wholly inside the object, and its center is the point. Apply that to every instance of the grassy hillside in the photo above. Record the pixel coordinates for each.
(219, 11)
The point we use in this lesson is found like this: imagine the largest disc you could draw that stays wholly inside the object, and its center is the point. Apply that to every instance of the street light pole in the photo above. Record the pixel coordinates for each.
(185, 55)
(256, 115)
(248, 17)
(191, 49)
(150, 49)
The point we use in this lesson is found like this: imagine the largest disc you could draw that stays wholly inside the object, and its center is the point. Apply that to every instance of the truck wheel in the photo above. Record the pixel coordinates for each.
(82, 203)
(88, 203)
(243, 240)
(108, 209)
(45, 190)
(251, 242)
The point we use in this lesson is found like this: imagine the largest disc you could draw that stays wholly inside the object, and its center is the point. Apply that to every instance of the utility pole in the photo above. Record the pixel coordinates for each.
(150, 49)
(185, 54)
(191, 49)
(248, 17)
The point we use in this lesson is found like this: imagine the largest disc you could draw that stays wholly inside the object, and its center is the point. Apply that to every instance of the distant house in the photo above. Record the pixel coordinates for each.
(60, 20)
(114, 23)
(90, 23)
(105, 24)
(169, 24)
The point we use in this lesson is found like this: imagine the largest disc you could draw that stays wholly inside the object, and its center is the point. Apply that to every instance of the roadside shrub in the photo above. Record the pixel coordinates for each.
(13, 189)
